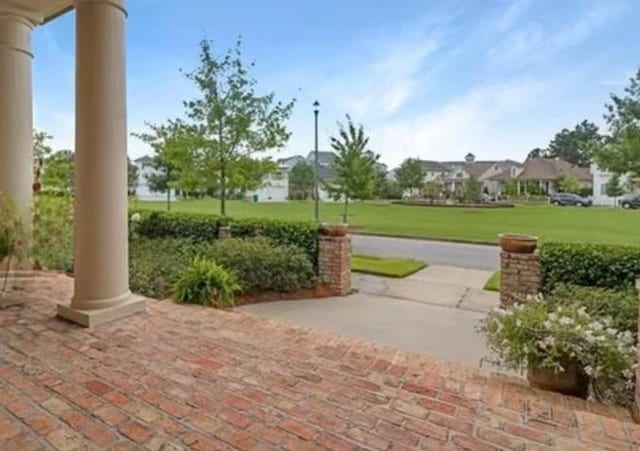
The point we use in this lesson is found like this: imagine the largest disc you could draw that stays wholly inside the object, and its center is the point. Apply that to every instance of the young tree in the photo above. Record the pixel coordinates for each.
(614, 188)
(353, 166)
(59, 173)
(575, 146)
(472, 189)
(132, 177)
(230, 121)
(432, 190)
(301, 181)
(620, 153)
(569, 184)
(410, 175)
(174, 163)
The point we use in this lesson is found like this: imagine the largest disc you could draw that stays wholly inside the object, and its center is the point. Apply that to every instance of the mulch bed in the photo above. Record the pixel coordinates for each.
(319, 292)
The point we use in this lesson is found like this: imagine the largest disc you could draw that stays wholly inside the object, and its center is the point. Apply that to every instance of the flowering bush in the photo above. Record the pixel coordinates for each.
(540, 334)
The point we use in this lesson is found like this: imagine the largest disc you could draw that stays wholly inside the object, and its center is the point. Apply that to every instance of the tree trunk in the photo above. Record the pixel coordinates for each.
(223, 189)
(345, 219)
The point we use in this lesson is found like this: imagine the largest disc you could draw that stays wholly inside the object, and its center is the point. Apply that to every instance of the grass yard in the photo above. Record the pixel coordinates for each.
(493, 284)
(383, 266)
(569, 224)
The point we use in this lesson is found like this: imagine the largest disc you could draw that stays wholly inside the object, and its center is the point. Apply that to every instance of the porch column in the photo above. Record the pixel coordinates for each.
(16, 106)
(101, 273)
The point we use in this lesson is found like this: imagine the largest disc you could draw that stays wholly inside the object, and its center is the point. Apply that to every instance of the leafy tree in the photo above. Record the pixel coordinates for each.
(353, 166)
(472, 189)
(301, 181)
(432, 190)
(575, 146)
(41, 150)
(536, 153)
(174, 160)
(132, 177)
(620, 153)
(410, 175)
(247, 174)
(230, 121)
(59, 173)
(569, 184)
(614, 187)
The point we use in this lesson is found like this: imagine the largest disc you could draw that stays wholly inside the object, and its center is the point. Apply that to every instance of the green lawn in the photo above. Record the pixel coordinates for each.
(493, 284)
(383, 266)
(571, 224)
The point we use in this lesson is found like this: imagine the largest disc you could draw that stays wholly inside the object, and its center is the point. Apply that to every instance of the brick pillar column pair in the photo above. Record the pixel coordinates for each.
(334, 263)
(520, 276)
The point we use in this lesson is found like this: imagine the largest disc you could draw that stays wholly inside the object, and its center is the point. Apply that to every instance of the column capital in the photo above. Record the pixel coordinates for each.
(25, 16)
(119, 4)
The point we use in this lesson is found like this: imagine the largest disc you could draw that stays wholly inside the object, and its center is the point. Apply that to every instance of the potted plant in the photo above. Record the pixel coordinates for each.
(561, 347)
(335, 229)
(518, 243)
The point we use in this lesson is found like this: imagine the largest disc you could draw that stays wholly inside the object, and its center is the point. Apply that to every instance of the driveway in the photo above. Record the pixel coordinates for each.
(461, 255)
(434, 312)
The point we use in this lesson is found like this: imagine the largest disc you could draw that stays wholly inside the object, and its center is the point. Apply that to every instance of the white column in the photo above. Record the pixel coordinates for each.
(101, 271)
(16, 106)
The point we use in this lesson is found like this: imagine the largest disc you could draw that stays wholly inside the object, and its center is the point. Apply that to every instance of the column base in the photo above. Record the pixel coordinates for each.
(91, 318)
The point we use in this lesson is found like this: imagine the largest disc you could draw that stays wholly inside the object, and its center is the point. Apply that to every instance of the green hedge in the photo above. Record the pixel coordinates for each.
(204, 227)
(596, 265)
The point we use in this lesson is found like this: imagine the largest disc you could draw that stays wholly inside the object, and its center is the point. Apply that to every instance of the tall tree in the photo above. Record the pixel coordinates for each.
(536, 153)
(614, 188)
(410, 175)
(353, 166)
(230, 120)
(620, 153)
(59, 173)
(575, 146)
(301, 181)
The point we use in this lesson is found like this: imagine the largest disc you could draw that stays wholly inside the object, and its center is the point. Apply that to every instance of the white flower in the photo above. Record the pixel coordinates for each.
(553, 316)
(588, 370)
(565, 321)
(136, 217)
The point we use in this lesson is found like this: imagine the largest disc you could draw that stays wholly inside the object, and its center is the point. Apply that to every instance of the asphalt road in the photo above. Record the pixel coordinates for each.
(475, 256)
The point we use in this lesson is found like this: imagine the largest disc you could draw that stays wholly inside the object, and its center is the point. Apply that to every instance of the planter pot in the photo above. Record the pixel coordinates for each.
(335, 229)
(571, 382)
(518, 244)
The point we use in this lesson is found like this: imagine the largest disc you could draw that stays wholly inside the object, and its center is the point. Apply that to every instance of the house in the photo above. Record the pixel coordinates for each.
(289, 162)
(275, 187)
(601, 179)
(143, 191)
(544, 173)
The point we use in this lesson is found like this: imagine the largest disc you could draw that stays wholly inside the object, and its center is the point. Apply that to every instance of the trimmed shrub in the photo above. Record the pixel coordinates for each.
(595, 265)
(619, 305)
(206, 283)
(262, 267)
(204, 227)
(154, 265)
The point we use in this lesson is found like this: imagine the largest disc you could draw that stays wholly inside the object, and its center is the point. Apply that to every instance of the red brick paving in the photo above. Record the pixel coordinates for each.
(185, 377)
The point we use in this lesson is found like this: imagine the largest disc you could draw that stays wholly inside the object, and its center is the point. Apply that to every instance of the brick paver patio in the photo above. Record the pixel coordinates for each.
(185, 377)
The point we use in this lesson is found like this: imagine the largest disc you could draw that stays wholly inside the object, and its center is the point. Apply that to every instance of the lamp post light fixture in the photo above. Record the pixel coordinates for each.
(316, 111)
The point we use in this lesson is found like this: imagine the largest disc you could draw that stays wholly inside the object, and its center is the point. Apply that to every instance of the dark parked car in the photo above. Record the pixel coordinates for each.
(569, 199)
(631, 202)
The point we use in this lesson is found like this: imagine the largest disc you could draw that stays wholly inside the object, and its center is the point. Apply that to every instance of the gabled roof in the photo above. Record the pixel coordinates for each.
(324, 158)
(553, 169)
(433, 166)
(479, 167)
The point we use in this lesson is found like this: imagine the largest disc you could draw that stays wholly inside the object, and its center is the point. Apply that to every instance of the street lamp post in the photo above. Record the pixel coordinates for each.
(316, 111)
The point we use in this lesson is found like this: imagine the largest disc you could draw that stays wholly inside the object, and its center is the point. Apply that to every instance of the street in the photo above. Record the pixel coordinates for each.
(462, 255)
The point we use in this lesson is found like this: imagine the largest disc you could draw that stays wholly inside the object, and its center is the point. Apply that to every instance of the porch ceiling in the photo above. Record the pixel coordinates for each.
(48, 9)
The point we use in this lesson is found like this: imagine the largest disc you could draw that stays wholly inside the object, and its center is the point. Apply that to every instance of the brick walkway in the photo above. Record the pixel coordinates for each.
(184, 377)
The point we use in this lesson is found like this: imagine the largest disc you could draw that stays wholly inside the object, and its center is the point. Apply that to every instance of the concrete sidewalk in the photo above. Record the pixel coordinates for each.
(435, 311)
(439, 285)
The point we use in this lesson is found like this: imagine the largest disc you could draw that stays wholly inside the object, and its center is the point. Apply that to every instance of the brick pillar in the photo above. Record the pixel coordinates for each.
(520, 275)
(334, 263)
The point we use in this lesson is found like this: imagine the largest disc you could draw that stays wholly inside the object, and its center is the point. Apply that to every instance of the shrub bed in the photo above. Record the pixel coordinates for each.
(594, 265)
(259, 266)
(204, 227)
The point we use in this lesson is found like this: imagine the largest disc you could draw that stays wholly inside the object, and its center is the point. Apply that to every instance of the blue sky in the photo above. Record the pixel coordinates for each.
(430, 79)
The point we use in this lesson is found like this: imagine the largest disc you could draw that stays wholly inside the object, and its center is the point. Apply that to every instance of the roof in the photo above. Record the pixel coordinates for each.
(553, 169)
(478, 168)
(433, 166)
(324, 158)
(146, 159)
